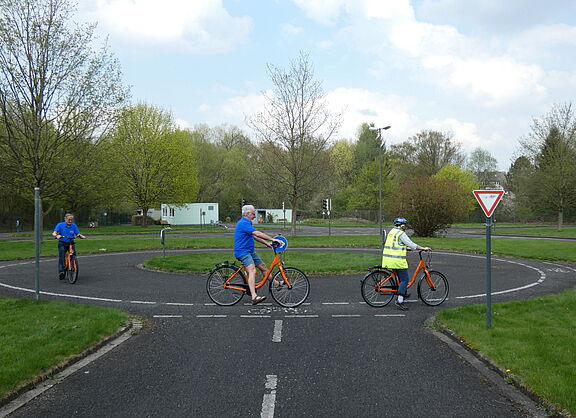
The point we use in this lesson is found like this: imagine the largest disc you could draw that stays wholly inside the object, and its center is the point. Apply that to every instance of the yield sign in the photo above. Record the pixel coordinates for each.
(488, 200)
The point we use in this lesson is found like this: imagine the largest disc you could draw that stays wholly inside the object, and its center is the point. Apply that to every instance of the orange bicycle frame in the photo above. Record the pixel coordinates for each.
(381, 286)
(275, 262)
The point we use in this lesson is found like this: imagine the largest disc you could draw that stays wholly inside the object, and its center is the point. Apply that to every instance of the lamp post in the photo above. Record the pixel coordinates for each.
(373, 128)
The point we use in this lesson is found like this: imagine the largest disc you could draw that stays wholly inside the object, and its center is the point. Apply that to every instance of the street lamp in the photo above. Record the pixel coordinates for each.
(373, 128)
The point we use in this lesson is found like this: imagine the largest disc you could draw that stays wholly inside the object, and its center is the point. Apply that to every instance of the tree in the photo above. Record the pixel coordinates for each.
(367, 147)
(426, 153)
(295, 129)
(484, 166)
(465, 181)
(56, 90)
(155, 162)
(551, 145)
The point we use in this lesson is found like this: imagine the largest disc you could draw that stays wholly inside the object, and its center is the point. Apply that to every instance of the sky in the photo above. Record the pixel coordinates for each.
(478, 70)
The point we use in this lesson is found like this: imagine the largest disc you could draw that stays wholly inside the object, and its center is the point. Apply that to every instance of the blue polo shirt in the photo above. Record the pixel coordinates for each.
(66, 231)
(243, 238)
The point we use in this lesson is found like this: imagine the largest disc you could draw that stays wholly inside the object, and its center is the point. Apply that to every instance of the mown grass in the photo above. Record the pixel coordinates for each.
(518, 248)
(37, 336)
(533, 340)
(312, 262)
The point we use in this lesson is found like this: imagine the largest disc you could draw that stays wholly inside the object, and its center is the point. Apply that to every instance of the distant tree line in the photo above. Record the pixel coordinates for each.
(67, 126)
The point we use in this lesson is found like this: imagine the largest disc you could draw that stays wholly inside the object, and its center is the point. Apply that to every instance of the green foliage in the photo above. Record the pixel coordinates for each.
(155, 162)
(484, 166)
(464, 179)
(431, 204)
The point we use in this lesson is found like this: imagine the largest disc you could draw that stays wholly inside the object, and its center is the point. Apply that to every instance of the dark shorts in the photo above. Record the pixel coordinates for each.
(250, 258)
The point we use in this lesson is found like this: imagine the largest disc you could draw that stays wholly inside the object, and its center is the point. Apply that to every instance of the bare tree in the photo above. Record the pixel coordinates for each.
(295, 130)
(56, 89)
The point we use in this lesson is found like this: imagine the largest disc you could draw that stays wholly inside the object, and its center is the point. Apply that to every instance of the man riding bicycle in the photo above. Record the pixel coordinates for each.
(244, 236)
(65, 232)
(394, 257)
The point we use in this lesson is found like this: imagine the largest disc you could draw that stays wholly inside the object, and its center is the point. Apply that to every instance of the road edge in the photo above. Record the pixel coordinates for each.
(24, 394)
(510, 387)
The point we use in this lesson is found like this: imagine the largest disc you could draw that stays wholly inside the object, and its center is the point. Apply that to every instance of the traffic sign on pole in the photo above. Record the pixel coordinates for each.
(488, 200)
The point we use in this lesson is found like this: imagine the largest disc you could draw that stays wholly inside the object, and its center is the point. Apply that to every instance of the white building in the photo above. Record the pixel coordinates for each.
(272, 216)
(190, 214)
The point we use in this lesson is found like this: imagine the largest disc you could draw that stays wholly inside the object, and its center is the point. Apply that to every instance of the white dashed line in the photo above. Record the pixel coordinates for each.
(167, 316)
(255, 316)
(390, 315)
(143, 302)
(335, 303)
(277, 334)
(300, 316)
(211, 316)
(178, 304)
(269, 400)
(346, 316)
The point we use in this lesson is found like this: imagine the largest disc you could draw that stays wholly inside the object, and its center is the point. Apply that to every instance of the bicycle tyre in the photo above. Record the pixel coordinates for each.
(286, 296)
(71, 272)
(370, 293)
(437, 296)
(215, 286)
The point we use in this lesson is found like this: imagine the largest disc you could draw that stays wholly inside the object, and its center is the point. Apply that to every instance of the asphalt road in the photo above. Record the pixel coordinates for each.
(332, 356)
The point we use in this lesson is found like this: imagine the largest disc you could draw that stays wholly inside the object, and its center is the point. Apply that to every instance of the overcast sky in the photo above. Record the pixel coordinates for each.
(481, 70)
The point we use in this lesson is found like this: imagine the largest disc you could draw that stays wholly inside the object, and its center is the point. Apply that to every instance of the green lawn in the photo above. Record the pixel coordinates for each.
(37, 336)
(533, 340)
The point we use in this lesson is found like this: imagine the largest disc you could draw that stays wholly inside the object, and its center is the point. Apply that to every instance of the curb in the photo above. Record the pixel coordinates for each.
(510, 387)
(24, 394)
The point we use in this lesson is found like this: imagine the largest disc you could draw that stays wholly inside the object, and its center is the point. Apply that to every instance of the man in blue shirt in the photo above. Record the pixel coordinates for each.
(244, 236)
(65, 232)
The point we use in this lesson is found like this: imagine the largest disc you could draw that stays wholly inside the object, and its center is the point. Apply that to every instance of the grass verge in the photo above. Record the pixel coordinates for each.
(532, 340)
(35, 336)
(564, 251)
(311, 262)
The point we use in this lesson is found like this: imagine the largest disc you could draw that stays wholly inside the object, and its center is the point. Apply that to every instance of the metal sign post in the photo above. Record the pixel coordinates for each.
(488, 200)
(163, 240)
(37, 238)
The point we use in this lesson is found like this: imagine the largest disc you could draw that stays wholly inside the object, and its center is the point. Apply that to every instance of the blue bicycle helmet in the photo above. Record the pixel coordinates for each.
(400, 221)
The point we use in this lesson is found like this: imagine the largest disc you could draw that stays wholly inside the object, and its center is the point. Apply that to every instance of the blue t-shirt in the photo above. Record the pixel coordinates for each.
(243, 238)
(66, 231)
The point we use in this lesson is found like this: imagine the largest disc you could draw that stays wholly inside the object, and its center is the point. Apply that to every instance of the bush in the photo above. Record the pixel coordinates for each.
(431, 204)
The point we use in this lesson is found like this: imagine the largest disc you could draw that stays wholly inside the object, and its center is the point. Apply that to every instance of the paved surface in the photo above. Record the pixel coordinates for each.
(332, 356)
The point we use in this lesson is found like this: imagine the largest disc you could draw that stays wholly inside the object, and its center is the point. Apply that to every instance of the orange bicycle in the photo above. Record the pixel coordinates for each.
(289, 286)
(380, 285)
(70, 263)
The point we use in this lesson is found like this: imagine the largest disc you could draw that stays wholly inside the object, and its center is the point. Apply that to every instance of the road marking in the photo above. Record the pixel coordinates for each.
(255, 316)
(269, 400)
(300, 316)
(277, 335)
(385, 315)
(167, 316)
(143, 302)
(178, 304)
(345, 316)
(335, 303)
(211, 316)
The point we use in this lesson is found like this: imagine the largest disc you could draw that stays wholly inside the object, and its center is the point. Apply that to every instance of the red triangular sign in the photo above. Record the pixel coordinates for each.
(488, 200)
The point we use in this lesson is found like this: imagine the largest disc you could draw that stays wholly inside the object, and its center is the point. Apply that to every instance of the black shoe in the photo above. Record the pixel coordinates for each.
(61, 275)
(401, 306)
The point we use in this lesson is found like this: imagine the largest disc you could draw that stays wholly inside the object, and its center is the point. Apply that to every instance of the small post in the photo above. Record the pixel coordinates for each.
(489, 272)
(163, 240)
(37, 239)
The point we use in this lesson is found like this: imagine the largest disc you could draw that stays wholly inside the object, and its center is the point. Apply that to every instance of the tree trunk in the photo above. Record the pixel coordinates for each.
(560, 219)
(144, 215)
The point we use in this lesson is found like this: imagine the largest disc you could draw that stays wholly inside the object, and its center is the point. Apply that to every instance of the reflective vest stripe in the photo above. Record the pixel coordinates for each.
(394, 253)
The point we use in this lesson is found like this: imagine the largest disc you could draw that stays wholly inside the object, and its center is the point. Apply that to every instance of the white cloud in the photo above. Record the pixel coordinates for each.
(232, 111)
(363, 106)
(290, 31)
(202, 27)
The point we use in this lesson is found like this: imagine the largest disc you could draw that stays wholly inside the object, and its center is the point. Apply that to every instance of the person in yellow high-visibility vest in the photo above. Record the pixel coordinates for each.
(394, 257)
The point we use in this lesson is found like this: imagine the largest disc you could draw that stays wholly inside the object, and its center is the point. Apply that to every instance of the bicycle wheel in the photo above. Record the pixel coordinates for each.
(72, 270)
(436, 296)
(290, 297)
(378, 288)
(221, 295)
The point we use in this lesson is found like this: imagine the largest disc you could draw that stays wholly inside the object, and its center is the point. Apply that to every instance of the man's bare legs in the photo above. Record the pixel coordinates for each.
(252, 278)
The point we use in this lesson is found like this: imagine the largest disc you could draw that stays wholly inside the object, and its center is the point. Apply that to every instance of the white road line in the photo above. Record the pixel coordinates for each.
(143, 302)
(178, 304)
(392, 315)
(269, 400)
(277, 334)
(300, 316)
(335, 303)
(255, 316)
(345, 316)
(211, 316)
(167, 316)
